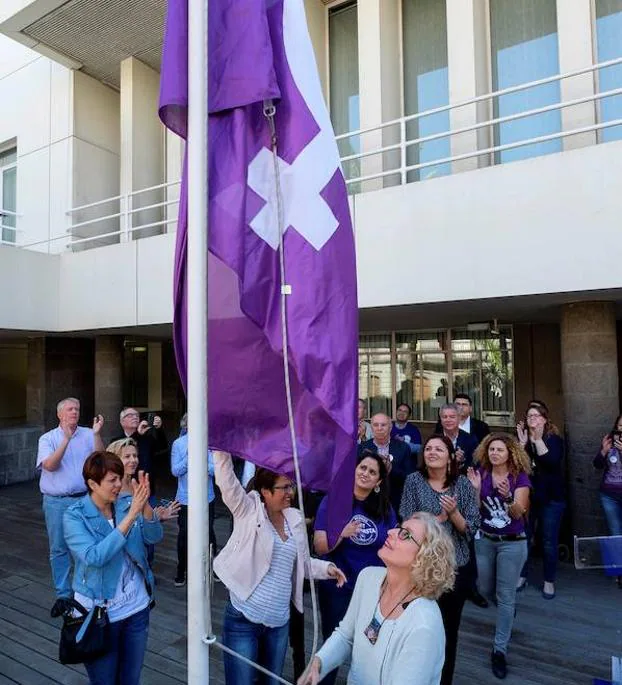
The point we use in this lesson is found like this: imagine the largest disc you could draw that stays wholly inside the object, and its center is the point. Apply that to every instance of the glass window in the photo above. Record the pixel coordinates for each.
(136, 375)
(375, 381)
(8, 195)
(426, 83)
(524, 49)
(343, 50)
(429, 371)
(608, 47)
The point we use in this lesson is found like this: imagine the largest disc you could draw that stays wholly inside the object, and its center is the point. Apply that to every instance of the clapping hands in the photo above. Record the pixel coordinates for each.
(169, 512)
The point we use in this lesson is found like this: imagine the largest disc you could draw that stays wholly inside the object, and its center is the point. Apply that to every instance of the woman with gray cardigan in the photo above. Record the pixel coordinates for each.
(393, 630)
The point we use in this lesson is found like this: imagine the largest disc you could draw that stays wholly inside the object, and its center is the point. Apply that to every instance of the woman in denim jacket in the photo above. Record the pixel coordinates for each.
(107, 538)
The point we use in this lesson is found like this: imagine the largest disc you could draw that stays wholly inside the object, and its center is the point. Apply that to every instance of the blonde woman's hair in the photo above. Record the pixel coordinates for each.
(518, 461)
(117, 446)
(434, 569)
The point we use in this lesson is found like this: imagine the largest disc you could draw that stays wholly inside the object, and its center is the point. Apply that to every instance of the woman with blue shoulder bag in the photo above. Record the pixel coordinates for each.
(107, 538)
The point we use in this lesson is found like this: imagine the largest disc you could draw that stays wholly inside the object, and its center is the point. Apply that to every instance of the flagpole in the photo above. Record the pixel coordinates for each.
(198, 510)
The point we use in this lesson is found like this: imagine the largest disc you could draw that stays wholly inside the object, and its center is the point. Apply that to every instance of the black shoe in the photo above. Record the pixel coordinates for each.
(499, 667)
(180, 581)
(478, 599)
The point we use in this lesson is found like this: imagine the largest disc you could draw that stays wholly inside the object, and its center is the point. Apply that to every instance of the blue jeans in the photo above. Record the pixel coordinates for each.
(612, 506)
(334, 602)
(124, 662)
(547, 518)
(60, 557)
(499, 567)
(266, 646)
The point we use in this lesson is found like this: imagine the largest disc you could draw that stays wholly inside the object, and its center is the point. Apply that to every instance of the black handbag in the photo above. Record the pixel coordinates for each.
(83, 638)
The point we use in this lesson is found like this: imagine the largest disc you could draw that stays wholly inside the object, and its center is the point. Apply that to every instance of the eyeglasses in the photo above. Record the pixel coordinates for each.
(132, 414)
(534, 415)
(405, 534)
(286, 488)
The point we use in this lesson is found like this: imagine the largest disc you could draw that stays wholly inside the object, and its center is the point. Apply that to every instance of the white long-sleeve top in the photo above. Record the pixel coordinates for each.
(410, 649)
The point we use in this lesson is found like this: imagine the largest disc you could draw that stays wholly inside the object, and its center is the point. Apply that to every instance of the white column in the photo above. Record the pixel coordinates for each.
(380, 81)
(317, 21)
(142, 142)
(576, 50)
(468, 57)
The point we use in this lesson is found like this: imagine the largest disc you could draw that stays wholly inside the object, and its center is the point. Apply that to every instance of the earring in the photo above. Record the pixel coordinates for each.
(377, 489)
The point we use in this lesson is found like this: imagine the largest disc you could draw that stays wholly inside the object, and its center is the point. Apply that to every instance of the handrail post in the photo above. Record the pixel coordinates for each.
(403, 177)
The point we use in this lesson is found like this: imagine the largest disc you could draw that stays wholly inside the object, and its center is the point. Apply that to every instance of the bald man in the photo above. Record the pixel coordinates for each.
(398, 457)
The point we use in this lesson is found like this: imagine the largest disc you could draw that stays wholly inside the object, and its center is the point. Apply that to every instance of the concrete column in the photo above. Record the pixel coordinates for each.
(142, 143)
(591, 401)
(109, 381)
(317, 21)
(468, 60)
(380, 83)
(35, 382)
(576, 50)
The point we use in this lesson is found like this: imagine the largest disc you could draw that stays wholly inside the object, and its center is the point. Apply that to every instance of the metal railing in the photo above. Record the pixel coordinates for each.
(398, 129)
(148, 211)
(134, 214)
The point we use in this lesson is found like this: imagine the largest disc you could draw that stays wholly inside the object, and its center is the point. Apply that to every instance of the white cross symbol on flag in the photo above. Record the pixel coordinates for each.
(304, 209)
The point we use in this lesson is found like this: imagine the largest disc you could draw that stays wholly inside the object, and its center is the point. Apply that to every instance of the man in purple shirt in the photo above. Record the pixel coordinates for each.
(61, 456)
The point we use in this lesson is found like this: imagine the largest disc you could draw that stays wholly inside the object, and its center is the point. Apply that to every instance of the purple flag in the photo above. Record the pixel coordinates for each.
(260, 50)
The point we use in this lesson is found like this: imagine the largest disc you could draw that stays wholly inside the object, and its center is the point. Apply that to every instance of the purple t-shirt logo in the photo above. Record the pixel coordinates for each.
(368, 532)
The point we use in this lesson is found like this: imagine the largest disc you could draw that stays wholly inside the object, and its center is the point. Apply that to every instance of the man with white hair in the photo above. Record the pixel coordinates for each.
(60, 458)
(399, 459)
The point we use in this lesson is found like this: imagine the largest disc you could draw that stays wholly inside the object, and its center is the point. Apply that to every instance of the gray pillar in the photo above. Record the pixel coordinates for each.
(35, 382)
(591, 402)
(109, 382)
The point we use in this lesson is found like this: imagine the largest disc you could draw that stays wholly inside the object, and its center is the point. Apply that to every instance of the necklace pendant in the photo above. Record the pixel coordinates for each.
(372, 631)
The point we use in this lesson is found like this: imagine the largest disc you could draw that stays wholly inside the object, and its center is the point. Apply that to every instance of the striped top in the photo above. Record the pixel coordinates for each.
(269, 603)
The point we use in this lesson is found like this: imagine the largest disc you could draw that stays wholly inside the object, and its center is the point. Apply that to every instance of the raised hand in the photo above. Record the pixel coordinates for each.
(140, 493)
(169, 512)
(351, 529)
(503, 488)
(143, 427)
(98, 424)
(523, 434)
(448, 504)
(460, 455)
(606, 445)
(157, 422)
(475, 478)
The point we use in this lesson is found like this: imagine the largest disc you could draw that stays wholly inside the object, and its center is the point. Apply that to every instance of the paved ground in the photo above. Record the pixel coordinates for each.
(569, 640)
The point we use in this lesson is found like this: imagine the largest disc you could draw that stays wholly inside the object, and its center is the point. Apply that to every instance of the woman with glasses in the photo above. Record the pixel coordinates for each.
(439, 490)
(502, 484)
(263, 565)
(359, 542)
(545, 449)
(393, 632)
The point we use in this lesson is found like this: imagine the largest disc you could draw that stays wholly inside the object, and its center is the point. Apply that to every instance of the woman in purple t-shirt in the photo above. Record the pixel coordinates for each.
(360, 540)
(502, 483)
(609, 460)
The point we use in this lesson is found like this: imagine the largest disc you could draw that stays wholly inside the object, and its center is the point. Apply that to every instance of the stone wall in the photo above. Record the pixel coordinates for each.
(18, 453)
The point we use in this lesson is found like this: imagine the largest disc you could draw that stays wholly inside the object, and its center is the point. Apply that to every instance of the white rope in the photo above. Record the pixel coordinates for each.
(269, 111)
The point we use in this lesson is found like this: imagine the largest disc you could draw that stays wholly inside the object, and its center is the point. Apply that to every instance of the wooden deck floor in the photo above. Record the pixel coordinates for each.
(569, 640)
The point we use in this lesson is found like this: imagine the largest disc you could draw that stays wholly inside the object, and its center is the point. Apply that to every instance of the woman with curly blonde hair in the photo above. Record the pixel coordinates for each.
(501, 480)
(393, 629)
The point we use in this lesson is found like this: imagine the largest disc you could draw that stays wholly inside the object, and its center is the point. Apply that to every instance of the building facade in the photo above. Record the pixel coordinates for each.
(481, 144)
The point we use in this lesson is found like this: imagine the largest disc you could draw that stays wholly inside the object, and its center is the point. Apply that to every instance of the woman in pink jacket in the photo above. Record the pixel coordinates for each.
(263, 565)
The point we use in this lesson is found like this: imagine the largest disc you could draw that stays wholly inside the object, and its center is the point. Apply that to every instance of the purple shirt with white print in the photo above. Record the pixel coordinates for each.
(495, 519)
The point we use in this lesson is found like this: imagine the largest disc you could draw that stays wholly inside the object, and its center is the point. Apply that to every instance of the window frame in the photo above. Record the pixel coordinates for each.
(12, 230)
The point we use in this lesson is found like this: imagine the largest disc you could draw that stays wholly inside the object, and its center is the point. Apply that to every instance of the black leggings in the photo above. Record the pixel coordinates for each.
(451, 605)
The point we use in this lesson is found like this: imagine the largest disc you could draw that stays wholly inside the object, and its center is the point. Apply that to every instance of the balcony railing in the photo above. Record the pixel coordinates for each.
(391, 159)
(383, 161)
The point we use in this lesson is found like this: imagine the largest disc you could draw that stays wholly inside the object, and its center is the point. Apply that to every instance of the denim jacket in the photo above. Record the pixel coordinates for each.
(98, 549)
